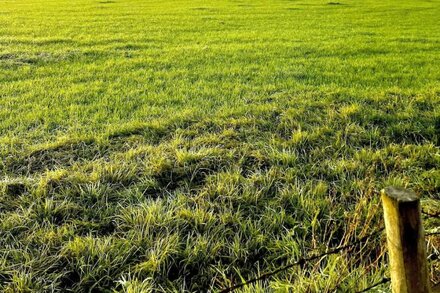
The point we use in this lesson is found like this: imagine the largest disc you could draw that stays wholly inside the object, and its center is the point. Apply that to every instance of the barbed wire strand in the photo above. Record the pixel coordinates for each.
(335, 289)
(386, 280)
(302, 261)
(383, 281)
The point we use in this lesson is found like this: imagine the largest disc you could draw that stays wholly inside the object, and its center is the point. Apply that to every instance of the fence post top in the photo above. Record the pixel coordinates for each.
(399, 194)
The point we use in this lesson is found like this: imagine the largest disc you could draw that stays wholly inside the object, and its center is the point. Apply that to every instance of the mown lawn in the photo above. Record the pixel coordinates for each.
(170, 146)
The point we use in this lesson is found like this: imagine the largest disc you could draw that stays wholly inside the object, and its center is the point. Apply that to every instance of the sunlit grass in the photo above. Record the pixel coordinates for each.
(169, 146)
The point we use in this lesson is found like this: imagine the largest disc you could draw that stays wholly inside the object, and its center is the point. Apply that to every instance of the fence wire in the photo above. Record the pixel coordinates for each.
(383, 281)
(303, 261)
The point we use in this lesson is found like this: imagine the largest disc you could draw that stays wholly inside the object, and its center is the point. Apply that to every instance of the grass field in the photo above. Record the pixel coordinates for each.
(169, 146)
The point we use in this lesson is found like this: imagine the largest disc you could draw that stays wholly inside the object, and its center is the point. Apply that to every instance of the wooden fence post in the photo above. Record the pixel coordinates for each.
(405, 240)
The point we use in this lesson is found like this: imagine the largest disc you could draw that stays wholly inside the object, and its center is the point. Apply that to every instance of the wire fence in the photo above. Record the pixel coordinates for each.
(381, 282)
(302, 261)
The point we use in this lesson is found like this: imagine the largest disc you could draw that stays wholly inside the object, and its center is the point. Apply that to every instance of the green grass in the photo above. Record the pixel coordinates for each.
(168, 146)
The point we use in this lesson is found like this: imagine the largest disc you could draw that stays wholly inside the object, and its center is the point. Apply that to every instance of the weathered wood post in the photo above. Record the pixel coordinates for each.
(405, 240)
